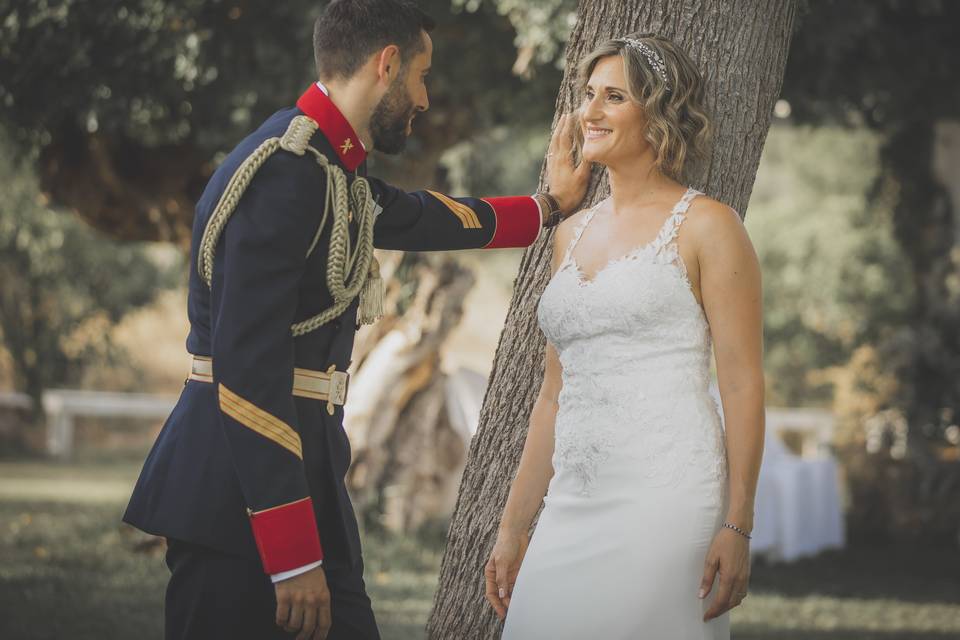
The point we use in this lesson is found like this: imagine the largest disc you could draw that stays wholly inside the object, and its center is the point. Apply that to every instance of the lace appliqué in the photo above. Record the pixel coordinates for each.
(635, 348)
(589, 428)
(584, 455)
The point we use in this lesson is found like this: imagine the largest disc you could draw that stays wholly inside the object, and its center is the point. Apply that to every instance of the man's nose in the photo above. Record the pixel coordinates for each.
(424, 103)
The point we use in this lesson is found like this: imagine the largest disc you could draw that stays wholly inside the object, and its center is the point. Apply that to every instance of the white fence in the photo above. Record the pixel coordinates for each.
(63, 406)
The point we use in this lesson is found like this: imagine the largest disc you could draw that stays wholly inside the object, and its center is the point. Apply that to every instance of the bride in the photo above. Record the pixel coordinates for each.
(649, 503)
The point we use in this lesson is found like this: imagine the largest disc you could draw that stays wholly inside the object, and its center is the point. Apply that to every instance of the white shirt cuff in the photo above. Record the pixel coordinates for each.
(284, 575)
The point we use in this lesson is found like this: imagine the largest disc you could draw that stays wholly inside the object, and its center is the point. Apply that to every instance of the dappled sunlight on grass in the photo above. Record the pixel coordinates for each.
(45, 482)
(776, 613)
(71, 569)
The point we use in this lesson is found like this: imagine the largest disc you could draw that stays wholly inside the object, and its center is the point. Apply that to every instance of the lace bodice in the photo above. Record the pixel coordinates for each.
(635, 347)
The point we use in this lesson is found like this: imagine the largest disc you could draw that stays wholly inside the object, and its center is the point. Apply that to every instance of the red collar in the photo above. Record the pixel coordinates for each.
(346, 143)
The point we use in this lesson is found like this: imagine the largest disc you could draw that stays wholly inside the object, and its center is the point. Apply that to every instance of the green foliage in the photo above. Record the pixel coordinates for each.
(882, 63)
(149, 69)
(505, 160)
(161, 72)
(64, 285)
(890, 65)
(154, 88)
(834, 277)
(543, 27)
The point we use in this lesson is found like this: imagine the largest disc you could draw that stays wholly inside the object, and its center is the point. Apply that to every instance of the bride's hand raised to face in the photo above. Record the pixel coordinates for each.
(567, 182)
(728, 559)
(502, 568)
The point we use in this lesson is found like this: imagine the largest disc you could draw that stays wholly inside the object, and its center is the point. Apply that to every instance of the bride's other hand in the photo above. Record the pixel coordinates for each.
(502, 568)
(567, 182)
(728, 558)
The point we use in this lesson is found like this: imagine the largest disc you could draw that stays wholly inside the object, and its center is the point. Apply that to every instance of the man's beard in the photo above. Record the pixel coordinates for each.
(388, 124)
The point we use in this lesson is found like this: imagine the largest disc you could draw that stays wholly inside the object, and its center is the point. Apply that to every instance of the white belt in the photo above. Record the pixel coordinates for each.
(330, 385)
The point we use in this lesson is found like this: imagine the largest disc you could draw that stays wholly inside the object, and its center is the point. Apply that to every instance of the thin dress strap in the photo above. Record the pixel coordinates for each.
(668, 234)
(578, 232)
(684, 203)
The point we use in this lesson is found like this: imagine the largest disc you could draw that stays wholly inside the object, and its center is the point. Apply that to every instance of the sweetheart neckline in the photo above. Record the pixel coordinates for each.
(670, 223)
(581, 275)
(583, 283)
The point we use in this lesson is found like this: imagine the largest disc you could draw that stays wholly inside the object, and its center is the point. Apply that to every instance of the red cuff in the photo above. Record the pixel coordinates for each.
(518, 221)
(286, 536)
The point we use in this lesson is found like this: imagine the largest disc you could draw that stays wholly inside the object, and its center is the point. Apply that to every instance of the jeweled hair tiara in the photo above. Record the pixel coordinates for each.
(654, 59)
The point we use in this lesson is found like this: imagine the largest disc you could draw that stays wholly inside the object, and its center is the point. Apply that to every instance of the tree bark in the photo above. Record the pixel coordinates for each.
(406, 455)
(741, 49)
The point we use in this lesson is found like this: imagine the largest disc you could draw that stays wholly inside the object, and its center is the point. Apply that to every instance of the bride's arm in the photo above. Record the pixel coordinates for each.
(732, 299)
(535, 470)
(534, 473)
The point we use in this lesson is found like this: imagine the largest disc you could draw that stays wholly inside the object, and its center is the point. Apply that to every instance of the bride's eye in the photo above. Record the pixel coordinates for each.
(616, 97)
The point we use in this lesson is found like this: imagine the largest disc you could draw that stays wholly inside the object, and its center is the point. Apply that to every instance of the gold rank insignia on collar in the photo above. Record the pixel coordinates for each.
(346, 146)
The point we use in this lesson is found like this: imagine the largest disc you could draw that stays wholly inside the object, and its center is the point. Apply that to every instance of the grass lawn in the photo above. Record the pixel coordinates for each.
(70, 570)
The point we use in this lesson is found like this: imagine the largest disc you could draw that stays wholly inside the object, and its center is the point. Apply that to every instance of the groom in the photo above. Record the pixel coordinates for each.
(246, 479)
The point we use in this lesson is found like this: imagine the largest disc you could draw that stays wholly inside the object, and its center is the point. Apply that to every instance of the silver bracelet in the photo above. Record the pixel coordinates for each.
(737, 529)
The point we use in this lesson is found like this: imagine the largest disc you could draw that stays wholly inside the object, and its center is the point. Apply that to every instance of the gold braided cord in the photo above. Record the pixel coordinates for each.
(348, 269)
(237, 185)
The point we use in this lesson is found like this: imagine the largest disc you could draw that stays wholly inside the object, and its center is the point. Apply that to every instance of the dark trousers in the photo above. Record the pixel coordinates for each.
(216, 596)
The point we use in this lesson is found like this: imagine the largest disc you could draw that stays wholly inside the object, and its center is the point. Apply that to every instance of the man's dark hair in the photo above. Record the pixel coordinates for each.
(349, 31)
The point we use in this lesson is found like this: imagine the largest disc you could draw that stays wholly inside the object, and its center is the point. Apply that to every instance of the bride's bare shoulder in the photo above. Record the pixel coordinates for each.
(712, 225)
(706, 217)
(712, 211)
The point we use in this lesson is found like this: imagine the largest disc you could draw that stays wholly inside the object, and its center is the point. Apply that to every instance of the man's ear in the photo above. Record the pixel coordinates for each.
(388, 63)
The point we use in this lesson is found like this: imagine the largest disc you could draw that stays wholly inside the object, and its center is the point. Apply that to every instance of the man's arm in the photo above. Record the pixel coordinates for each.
(432, 221)
(259, 265)
(260, 262)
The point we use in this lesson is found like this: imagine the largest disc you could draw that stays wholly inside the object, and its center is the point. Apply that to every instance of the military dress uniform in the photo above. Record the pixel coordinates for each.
(246, 478)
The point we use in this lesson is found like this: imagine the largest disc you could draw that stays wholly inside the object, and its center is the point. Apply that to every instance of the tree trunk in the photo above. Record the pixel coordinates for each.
(919, 163)
(407, 456)
(741, 48)
(918, 166)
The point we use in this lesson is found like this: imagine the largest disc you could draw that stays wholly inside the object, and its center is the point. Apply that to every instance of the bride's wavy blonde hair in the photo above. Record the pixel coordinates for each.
(678, 124)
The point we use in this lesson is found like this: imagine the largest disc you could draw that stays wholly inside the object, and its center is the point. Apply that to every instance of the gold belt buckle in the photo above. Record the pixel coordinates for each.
(337, 393)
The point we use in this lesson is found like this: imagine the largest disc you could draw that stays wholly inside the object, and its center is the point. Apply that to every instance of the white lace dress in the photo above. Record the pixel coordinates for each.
(639, 488)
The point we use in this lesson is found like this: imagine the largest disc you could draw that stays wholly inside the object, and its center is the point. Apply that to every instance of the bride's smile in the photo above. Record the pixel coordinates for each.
(611, 121)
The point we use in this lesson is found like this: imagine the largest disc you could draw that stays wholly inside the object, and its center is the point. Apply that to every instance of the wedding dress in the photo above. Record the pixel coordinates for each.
(639, 485)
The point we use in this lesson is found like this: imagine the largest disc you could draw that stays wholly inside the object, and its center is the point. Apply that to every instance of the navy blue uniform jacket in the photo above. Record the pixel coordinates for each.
(241, 450)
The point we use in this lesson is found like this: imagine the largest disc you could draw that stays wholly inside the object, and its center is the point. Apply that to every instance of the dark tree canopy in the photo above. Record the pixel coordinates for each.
(131, 101)
(880, 63)
(891, 66)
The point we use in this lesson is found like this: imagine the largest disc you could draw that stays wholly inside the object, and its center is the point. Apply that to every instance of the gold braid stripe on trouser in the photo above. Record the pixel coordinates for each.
(350, 271)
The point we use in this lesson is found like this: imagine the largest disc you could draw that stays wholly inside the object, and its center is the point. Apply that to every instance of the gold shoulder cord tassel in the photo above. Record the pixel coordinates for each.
(350, 271)
(371, 296)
